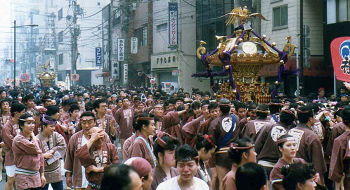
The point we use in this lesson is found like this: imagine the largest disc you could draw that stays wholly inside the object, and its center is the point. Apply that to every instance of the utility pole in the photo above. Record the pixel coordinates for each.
(14, 54)
(74, 30)
(301, 46)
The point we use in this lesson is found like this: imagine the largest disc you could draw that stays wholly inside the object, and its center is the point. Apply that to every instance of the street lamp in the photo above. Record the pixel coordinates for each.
(14, 48)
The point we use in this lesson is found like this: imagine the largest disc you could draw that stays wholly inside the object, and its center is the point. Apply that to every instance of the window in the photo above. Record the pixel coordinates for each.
(162, 27)
(60, 36)
(142, 36)
(60, 59)
(274, 1)
(60, 14)
(280, 17)
(338, 11)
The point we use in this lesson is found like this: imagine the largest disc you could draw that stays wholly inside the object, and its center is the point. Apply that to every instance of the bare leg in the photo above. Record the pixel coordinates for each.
(9, 183)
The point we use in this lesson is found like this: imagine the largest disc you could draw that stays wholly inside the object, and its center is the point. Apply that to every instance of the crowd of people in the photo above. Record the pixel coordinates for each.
(108, 138)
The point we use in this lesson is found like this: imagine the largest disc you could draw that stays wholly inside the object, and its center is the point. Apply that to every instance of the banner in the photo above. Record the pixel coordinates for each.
(173, 24)
(121, 47)
(125, 73)
(98, 53)
(115, 69)
(133, 45)
(340, 51)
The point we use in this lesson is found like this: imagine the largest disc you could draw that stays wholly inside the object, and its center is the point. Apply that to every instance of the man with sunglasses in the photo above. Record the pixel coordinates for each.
(75, 174)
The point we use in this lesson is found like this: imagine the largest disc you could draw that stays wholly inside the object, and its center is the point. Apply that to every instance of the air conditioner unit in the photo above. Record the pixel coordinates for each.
(133, 6)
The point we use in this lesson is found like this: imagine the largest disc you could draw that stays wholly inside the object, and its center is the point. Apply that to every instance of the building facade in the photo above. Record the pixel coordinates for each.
(79, 33)
(284, 20)
(174, 45)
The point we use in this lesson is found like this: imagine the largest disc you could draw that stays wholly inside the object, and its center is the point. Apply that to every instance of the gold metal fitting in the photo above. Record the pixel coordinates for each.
(273, 44)
(264, 36)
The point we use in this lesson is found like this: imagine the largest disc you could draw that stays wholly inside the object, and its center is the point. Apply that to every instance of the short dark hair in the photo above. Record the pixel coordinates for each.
(275, 106)
(250, 176)
(236, 154)
(98, 102)
(262, 110)
(297, 173)
(345, 115)
(239, 105)
(89, 106)
(66, 102)
(73, 107)
(225, 109)
(52, 110)
(138, 123)
(171, 145)
(195, 105)
(287, 118)
(88, 114)
(304, 113)
(5, 100)
(28, 97)
(202, 142)
(45, 98)
(117, 177)
(213, 105)
(17, 107)
(185, 152)
(22, 119)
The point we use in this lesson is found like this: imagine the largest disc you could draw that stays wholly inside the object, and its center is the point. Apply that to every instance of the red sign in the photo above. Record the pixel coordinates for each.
(340, 50)
(75, 77)
(25, 77)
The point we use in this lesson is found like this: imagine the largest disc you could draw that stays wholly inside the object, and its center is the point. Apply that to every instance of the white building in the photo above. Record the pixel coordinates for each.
(284, 20)
(174, 66)
(89, 21)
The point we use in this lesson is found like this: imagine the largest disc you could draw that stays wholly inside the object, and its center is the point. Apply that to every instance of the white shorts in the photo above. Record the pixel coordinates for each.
(10, 170)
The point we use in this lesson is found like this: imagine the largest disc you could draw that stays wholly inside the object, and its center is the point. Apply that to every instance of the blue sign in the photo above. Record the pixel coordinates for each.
(98, 53)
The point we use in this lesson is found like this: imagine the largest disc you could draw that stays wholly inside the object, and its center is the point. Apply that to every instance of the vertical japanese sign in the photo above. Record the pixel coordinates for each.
(125, 73)
(173, 24)
(115, 69)
(133, 45)
(106, 45)
(98, 53)
(121, 47)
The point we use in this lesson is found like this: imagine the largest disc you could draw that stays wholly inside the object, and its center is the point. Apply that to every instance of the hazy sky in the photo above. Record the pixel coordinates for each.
(5, 24)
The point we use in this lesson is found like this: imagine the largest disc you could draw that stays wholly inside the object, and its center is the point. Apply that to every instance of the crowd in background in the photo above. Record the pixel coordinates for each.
(108, 138)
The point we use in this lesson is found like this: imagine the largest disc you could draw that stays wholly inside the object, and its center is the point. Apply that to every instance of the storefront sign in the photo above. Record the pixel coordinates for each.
(133, 45)
(125, 73)
(98, 53)
(121, 47)
(173, 24)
